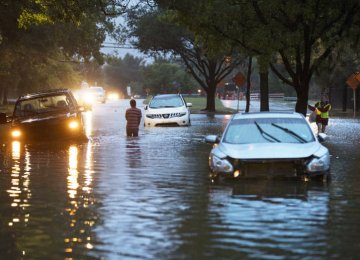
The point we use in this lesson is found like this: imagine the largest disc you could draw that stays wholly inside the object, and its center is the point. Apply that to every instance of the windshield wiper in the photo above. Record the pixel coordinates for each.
(290, 132)
(265, 134)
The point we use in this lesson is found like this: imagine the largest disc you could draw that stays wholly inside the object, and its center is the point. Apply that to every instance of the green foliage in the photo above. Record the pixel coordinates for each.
(121, 72)
(156, 32)
(43, 42)
(166, 77)
(298, 35)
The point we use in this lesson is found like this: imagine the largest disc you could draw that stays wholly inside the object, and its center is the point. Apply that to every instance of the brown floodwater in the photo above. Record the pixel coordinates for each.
(150, 197)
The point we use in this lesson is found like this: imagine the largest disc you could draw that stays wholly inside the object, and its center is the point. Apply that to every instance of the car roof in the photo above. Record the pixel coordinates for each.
(267, 115)
(44, 93)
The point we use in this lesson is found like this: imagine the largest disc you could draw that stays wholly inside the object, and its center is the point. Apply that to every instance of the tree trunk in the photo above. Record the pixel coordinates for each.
(302, 99)
(264, 91)
(248, 85)
(210, 98)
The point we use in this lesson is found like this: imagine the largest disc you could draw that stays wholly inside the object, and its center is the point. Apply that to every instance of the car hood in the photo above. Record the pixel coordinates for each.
(165, 110)
(40, 118)
(269, 150)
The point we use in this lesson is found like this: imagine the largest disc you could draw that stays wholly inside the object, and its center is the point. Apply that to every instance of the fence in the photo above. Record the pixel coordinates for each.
(256, 96)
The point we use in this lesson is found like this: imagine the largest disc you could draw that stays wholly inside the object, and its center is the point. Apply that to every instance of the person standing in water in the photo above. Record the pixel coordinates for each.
(133, 118)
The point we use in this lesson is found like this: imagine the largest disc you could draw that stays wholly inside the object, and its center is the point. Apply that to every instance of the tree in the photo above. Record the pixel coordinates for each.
(41, 43)
(120, 72)
(154, 33)
(301, 33)
(164, 76)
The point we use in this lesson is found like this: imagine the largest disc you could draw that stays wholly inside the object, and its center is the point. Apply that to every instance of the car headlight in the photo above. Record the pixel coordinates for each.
(15, 133)
(178, 114)
(319, 164)
(74, 124)
(152, 116)
(220, 165)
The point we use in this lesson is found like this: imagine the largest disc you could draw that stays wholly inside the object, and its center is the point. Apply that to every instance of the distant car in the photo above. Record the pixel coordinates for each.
(269, 144)
(47, 115)
(167, 110)
(98, 94)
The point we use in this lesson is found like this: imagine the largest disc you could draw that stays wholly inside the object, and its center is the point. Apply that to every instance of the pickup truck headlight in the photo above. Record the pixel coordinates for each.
(319, 164)
(220, 165)
(16, 133)
(74, 124)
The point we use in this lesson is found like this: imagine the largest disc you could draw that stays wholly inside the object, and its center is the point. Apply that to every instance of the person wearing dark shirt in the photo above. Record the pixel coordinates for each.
(133, 118)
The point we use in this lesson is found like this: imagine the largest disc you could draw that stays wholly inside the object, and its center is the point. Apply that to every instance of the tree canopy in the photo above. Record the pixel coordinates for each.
(42, 42)
(154, 32)
(296, 35)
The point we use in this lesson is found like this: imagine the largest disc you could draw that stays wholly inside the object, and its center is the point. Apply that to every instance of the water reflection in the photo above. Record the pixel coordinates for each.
(19, 192)
(79, 188)
(88, 122)
(271, 218)
(72, 179)
(51, 195)
(133, 153)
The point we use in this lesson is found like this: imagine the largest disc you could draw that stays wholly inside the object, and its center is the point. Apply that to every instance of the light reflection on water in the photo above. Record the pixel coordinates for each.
(149, 197)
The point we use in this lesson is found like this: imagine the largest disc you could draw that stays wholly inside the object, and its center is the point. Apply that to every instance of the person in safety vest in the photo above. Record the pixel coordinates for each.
(321, 109)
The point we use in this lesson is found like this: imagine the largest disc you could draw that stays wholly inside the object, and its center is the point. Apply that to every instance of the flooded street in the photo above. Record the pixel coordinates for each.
(150, 197)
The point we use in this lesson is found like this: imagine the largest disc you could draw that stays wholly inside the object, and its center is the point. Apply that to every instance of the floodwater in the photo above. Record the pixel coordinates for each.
(150, 197)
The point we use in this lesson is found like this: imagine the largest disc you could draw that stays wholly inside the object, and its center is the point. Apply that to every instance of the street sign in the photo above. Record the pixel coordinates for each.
(354, 80)
(239, 79)
(357, 76)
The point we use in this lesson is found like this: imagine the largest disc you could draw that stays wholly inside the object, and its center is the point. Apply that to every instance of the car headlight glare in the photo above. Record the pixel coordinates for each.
(16, 133)
(220, 165)
(89, 98)
(74, 125)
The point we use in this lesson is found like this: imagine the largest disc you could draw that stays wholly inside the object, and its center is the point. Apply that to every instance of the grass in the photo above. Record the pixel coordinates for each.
(199, 103)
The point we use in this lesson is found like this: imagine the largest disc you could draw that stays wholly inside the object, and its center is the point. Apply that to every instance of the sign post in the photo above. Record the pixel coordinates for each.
(239, 80)
(353, 81)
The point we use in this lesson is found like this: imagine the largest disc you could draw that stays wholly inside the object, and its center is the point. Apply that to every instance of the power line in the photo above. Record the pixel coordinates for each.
(117, 47)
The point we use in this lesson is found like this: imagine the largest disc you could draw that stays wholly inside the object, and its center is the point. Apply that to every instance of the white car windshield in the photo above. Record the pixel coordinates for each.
(166, 101)
(265, 130)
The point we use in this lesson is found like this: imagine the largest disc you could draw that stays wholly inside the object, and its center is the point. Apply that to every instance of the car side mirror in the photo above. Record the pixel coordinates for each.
(212, 139)
(3, 118)
(146, 107)
(189, 104)
(322, 137)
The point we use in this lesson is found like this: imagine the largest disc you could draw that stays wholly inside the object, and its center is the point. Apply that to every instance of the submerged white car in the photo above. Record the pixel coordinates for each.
(167, 110)
(269, 144)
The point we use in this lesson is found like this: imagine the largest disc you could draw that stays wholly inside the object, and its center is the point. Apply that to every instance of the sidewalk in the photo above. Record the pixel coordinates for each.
(255, 105)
